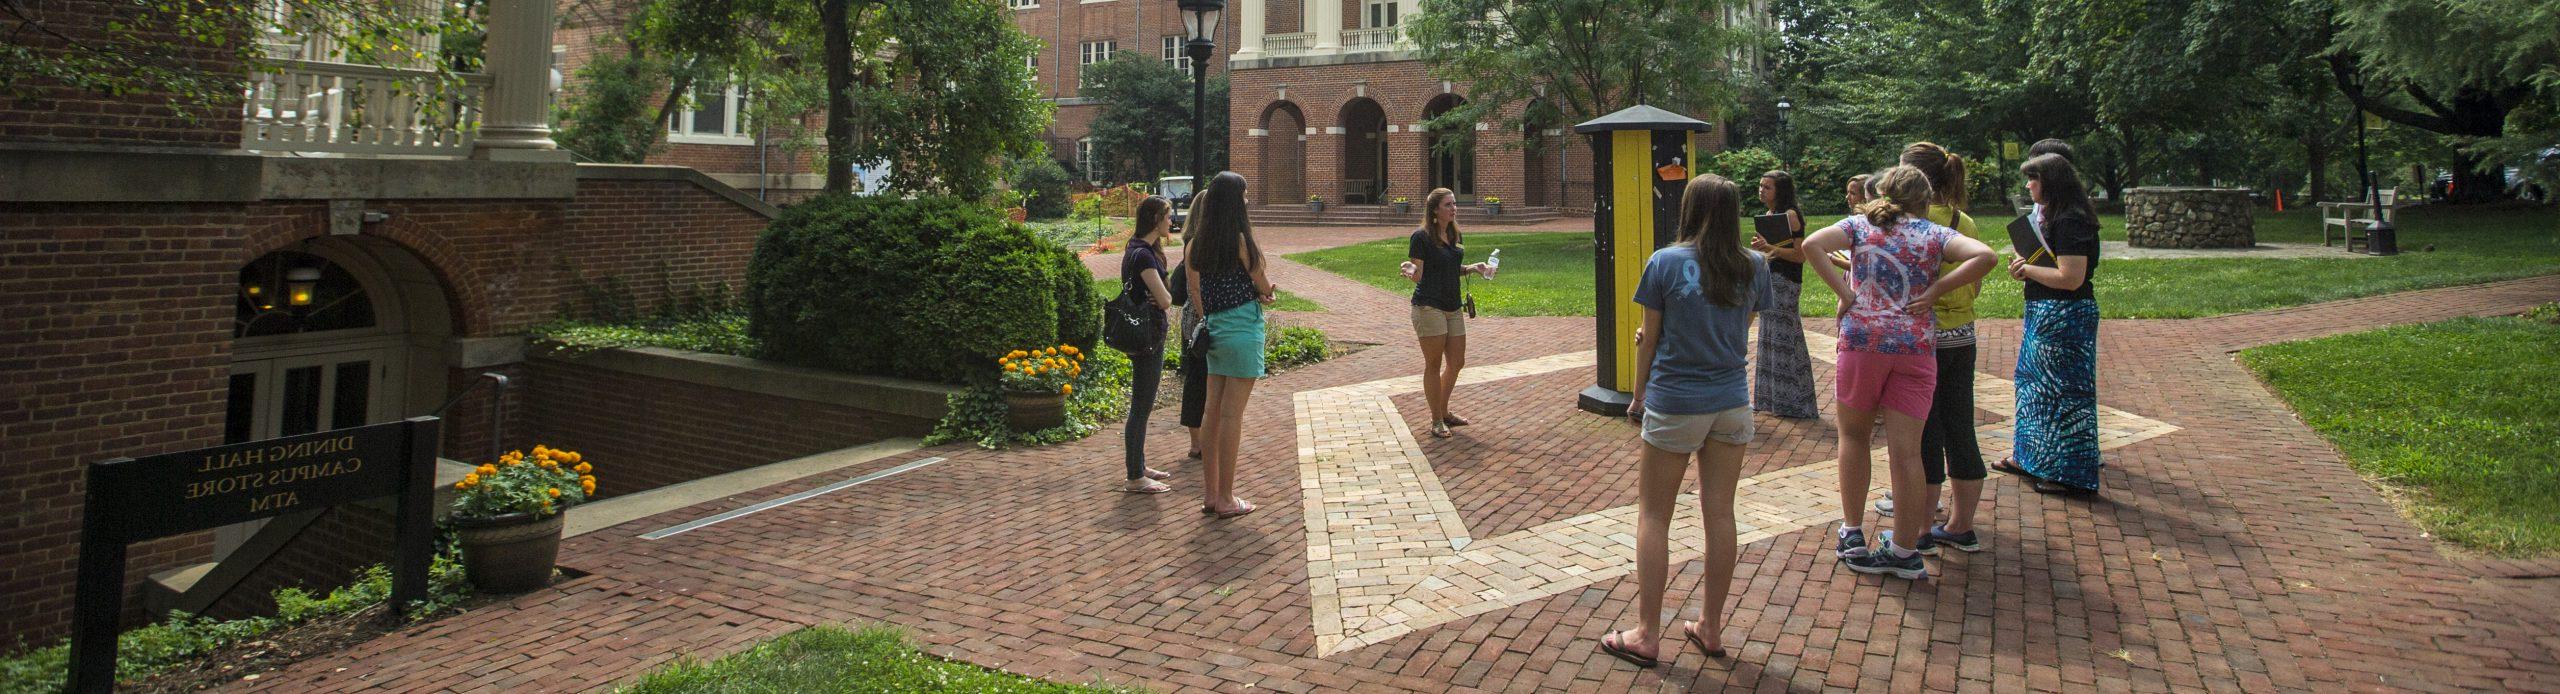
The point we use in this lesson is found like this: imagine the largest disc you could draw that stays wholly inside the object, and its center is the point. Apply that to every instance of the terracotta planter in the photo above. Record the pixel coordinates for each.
(1017, 214)
(512, 553)
(1034, 411)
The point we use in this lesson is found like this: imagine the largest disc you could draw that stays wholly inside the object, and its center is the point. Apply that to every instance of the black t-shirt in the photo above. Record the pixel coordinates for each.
(1794, 272)
(2070, 234)
(1140, 258)
(1439, 286)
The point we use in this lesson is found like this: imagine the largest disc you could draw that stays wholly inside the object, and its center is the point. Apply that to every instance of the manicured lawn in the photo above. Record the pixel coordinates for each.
(829, 659)
(1542, 274)
(1550, 274)
(2457, 419)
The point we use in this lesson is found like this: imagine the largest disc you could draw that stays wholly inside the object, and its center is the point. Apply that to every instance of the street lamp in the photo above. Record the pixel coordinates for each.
(1786, 146)
(1200, 24)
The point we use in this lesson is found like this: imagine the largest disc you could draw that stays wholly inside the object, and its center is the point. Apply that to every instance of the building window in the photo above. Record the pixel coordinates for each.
(1093, 52)
(1084, 161)
(1023, 4)
(717, 116)
(1382, 14)
(1031, 65)
(1175, 56)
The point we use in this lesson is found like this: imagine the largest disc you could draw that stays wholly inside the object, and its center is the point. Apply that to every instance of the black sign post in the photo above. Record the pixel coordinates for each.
(131, 500)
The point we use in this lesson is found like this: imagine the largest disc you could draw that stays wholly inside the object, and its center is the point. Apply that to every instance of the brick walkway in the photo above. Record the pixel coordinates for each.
(2233, 550)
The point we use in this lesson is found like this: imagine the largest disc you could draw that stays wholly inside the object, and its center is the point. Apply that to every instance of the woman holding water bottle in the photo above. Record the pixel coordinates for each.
(1435, 257)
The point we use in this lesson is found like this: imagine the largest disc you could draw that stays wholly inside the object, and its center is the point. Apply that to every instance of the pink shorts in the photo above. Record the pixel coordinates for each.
(1901, 382)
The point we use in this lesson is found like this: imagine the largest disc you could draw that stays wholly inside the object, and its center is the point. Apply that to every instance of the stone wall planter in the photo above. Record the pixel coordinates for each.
(512, 553)
(1034, 411)
(2166, 217)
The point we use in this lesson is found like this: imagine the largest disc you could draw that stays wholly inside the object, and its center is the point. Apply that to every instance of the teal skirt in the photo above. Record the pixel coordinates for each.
(1235, 337)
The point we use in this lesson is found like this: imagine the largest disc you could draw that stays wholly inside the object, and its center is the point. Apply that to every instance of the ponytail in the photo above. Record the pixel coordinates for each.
(1901, 191)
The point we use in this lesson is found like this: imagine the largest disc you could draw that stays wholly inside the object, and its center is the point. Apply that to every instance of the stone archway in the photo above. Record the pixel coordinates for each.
(329, 333)
(1281, 176)
(1364, 151)
(1450, 151)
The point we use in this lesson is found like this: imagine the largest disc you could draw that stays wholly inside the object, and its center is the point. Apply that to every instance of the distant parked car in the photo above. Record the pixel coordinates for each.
(1176, 189)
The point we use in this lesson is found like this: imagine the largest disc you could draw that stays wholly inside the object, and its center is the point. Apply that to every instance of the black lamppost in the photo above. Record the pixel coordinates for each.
(1786, 145)
(1200, 23)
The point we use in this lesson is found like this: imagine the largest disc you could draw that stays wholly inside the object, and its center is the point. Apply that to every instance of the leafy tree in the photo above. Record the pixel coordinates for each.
(935, 88)
(2461, 69)
(1144, 127)
(1581, 59)
(1042, 184)
(607, 116)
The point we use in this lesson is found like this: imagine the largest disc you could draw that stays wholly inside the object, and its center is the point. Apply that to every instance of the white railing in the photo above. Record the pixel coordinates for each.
(1370, 39)
(1289, 42)
(308, 106)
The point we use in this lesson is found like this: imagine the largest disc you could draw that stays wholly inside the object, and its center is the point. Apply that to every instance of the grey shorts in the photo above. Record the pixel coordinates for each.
(1432, 322)
(1686, 433)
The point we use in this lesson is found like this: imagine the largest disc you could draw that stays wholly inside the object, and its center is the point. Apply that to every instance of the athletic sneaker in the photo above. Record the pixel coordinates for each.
(1939, 536)
(1924, 546)
(1853, 542)
(1885, 506)
(1887, 561)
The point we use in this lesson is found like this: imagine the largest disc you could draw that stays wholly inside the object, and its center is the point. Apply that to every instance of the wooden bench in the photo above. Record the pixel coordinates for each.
(2351, 218)
(1358, 188)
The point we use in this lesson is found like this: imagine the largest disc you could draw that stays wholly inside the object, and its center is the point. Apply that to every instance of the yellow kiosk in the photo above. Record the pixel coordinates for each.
(1643, 159)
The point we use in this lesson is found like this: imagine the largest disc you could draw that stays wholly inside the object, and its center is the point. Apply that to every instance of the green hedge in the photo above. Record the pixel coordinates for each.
(928, 288)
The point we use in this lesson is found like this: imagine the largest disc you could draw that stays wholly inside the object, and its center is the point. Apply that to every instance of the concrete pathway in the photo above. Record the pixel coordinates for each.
(2233, 550)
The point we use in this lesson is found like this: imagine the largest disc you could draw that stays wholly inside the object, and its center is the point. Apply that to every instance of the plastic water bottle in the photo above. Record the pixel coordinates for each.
(1493, 261)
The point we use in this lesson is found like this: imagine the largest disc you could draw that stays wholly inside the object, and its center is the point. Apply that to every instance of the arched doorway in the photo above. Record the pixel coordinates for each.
(1541, 165)
(1282, 177)
(1452, 149)
(331, 333)
(1364, 151)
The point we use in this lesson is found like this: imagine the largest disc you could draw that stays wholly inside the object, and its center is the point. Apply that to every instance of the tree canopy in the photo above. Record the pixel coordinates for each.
(1581, 59)
(1144, 126)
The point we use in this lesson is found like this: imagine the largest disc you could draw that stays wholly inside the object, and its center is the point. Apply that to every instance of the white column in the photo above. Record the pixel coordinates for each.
(1328, 21)
(515, 118)
(1249, 36)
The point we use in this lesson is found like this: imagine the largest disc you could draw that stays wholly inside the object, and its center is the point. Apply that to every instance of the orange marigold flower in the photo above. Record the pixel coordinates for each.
(486, 469)
(554, 492)
(1069, 389)
(584, 468)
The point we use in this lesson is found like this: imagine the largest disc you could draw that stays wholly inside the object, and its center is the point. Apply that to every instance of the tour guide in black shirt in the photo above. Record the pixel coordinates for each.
(1434, 261)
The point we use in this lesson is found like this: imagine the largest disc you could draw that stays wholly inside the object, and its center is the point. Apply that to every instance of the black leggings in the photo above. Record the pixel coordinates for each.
(1948, 447)
(1195, 385)
(1146, 371)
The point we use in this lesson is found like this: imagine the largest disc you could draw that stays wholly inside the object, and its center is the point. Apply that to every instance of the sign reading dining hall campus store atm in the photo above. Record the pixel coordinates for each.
(131, 500)
(174, 493)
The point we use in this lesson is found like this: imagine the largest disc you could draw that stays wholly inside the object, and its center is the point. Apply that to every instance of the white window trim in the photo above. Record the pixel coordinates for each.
(1020, 5)
(1084, 160)
(680, 132)
(1179, 47)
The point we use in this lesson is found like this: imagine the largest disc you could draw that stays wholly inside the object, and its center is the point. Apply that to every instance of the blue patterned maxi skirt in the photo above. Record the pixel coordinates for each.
(2057, 420)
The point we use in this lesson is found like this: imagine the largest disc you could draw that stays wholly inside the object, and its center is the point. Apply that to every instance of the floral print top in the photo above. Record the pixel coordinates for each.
(1889, 268)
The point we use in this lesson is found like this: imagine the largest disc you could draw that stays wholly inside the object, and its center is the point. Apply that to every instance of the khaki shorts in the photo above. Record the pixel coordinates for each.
(1686, 433)
(1432, 322)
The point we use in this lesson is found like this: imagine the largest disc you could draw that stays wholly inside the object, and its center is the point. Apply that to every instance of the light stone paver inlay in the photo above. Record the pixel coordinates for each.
(1387, 553)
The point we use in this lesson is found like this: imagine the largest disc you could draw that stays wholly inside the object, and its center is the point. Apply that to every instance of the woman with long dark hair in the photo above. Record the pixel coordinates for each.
(1949, 452)
(1226, 275)
(1142, 270)
(1783, 383)
(1886, 363)
(1692, 400)
(1435, 257)
(2056, 441)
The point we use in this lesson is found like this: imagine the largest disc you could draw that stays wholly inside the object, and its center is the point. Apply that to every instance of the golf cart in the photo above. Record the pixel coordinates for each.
(1176, 189)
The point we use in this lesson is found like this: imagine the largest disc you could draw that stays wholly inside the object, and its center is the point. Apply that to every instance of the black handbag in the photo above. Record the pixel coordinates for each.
(1131, 324)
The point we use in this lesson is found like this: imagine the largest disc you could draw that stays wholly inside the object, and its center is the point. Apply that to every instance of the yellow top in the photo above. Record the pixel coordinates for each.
(1955, 308)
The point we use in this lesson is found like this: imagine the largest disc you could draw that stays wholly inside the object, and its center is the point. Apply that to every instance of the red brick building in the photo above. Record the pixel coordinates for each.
(1329, 101)
(152, 267)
